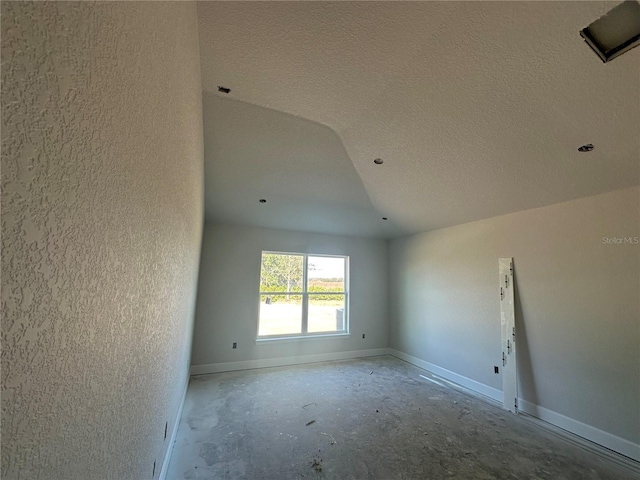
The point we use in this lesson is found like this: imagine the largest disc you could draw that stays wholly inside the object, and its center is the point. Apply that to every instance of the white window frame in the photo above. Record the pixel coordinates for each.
(305, 299)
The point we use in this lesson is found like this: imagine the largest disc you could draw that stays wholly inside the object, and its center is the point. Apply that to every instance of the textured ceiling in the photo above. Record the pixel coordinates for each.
(300, 167)
(477, 109)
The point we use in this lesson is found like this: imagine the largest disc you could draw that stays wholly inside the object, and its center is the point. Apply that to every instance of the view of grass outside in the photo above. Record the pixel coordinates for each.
(283, 293)
(282, 318)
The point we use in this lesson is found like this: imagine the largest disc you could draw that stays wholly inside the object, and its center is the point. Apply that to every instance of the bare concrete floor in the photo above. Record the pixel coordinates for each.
(370, 418)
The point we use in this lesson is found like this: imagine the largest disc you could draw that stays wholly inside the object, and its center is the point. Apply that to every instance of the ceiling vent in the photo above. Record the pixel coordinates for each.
(616, 32)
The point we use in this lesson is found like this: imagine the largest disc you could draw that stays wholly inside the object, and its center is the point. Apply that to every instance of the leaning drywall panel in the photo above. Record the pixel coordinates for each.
(508, 330)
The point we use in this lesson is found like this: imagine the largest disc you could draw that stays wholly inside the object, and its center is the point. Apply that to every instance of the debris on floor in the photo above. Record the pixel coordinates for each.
(409, 441)
(333, 440)
(310, 422)
(309, 404)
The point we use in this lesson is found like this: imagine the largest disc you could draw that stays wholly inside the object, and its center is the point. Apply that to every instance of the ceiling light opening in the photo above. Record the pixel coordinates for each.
(223, 89)
(263, 200)
(385, 218)
(586, 147)
(378, 161)
(616, 32)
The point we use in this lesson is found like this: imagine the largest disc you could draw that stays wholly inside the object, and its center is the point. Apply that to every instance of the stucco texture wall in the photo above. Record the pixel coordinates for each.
(102, 202)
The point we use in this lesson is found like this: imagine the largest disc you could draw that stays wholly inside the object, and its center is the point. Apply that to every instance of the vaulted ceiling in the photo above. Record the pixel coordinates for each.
(476, 108)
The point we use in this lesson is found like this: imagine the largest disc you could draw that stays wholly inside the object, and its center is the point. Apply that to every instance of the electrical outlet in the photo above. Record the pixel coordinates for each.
(166, 425)
(363, 335)
(496, 369)
(235, 344)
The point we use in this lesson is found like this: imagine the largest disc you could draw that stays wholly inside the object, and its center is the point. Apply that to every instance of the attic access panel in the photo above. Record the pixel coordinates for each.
(616, 32)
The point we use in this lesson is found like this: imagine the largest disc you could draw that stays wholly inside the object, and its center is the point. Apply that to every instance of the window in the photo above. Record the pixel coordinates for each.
(302, 294)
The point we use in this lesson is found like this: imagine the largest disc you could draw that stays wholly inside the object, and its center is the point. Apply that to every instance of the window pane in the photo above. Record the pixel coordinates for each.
(280, 315)
(326, 274)
(326, 313)
(281, 273)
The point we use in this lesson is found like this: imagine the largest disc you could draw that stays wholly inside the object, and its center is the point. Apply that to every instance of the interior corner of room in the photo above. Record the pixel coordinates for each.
(154, 152)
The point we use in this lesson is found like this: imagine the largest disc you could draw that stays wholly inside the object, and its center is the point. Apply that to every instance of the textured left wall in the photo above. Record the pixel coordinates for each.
(102, 206)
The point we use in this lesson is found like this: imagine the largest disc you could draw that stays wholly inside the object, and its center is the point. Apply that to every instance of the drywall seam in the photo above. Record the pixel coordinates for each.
(284, 361)
(600, 438)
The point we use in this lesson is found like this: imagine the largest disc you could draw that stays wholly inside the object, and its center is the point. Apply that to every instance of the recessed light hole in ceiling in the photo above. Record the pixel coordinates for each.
(385, 218)
(263, 200)
(223, 89)
(378, 161)
(586, 147)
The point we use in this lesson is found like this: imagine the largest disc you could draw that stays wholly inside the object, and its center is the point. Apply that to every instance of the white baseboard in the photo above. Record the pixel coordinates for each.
(283, 361)
(174, 433)
(568, 426)
(477, 387)
(593, 434)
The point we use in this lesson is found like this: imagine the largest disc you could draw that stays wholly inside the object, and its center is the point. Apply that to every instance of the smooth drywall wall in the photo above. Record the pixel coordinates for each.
(577, 278)
(102, 207)
(228, 301)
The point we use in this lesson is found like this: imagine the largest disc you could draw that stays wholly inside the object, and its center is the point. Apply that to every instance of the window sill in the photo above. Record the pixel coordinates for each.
(297, 338)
